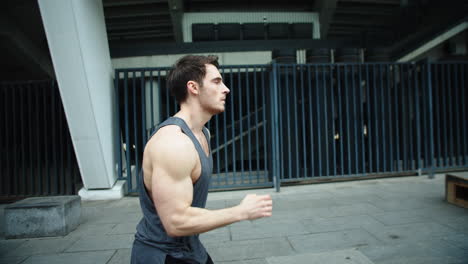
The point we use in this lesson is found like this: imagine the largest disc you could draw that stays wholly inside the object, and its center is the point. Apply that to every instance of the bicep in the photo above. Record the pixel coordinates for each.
(171, 184)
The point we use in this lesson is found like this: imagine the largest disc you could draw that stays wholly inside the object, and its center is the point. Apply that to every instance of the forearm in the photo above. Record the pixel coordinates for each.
(199, 220)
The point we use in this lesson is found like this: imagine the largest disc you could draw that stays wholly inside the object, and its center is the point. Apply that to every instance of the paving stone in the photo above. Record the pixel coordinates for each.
(314, 243)
(321, 225)
(431, 251)
(12, 260)
(106, 242)
(125, 228)
(400, 217)
(41, 246)
(411, 232)
(249, 261)
(258, 229)
(91, 229)
(122, 256)
(217, 235)
(93, 257)
(353, 209)
(458, 240)
(249, 249)
(7, 246)
(422, 260)
(348, 256)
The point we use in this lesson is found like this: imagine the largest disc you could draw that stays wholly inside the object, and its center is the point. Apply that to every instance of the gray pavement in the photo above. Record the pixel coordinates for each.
(383, 221)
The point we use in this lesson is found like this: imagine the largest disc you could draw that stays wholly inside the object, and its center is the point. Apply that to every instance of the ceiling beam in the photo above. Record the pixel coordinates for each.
(176, 9)
(39, 58)
(326, 9)
(135, 11)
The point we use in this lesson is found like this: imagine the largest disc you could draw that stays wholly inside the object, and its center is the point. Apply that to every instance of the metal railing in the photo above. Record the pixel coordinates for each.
(37, 153)
(301, 122)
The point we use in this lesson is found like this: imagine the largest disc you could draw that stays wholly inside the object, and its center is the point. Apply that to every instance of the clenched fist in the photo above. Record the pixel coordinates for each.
(256, 206)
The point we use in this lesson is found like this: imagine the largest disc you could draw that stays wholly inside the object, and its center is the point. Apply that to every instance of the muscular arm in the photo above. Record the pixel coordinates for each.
(174, 158)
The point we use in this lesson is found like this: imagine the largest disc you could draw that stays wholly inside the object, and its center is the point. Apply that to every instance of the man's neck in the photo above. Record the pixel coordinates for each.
(195, 117)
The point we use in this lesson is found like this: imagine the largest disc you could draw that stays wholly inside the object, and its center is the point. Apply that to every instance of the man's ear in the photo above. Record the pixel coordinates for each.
(193, 87)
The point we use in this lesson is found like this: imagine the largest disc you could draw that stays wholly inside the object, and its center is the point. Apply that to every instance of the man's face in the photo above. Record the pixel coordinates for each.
(213, 93)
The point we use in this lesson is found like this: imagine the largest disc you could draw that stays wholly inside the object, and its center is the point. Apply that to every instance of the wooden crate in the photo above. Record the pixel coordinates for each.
(456, 189)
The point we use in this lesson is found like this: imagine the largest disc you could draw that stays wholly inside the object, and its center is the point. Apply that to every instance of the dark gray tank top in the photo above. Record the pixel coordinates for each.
(152, 243)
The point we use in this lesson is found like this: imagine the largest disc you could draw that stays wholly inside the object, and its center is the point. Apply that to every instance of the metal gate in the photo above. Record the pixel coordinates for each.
(300, 122)
(37, 156)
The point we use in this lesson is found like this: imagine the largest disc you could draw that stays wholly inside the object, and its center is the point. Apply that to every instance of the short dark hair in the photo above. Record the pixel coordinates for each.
(188, 68)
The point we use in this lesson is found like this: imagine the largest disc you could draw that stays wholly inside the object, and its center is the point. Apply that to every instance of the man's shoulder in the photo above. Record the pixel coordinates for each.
(170, 139)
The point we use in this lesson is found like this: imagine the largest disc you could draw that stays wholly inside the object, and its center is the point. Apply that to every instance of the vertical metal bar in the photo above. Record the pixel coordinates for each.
(46, 133)
(54, 141)
(390, 120)
(464, 118)
(438, 112)
(332, 106)
(348, 137)
(70, 187)
(311, 121)
(234, 165)
(225, 130)
(424, 111)
(264, 121)
(369, 120)
(241, 131)
(397, 116)
(355, 119)
(277, 163)
(279, 131)
(317, 101)
(160, 98)
(294, 104)
(304, 143)
(217, 147)
(143, 109)
(249, 142)
(127, 133)
(118, 144)
(5, 137)
(444, 116)
(410, 120)
(257, 124)
(456, 97)
(450, 104)
(62, 131)
(361, 128)
(135, 124)
(404, 116)
(325, 118)
(288, 121)
(376, 121)
(431, 135)
(151, 100)
(29, 184)
(383, 121)
(340, 119)
(418, 128)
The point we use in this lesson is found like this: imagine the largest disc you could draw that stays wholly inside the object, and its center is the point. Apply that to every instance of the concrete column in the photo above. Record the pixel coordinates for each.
(78, 44)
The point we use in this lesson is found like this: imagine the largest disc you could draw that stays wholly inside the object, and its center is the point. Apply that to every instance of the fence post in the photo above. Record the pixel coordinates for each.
(117, 128)
(431, 126)
(274, 126)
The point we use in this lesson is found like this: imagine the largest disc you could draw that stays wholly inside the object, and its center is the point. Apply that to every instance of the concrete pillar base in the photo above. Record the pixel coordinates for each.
(118, 191)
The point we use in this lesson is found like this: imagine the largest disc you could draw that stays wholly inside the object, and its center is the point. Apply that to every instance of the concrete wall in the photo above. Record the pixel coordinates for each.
(77, 41)
(225, 58)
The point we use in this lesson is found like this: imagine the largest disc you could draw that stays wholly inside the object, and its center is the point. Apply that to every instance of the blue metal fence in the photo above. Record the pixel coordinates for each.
(300, 122)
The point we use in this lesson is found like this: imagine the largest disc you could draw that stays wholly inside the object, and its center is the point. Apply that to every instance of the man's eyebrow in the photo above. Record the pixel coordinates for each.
(217, 79)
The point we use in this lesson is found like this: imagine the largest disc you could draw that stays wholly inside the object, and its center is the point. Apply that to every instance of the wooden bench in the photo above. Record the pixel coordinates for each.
(456, 188)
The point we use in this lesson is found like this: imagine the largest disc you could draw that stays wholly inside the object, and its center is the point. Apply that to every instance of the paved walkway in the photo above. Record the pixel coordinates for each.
(393, 220)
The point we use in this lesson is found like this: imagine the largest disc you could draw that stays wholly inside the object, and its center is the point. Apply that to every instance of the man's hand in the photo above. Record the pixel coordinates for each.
(256, 206)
